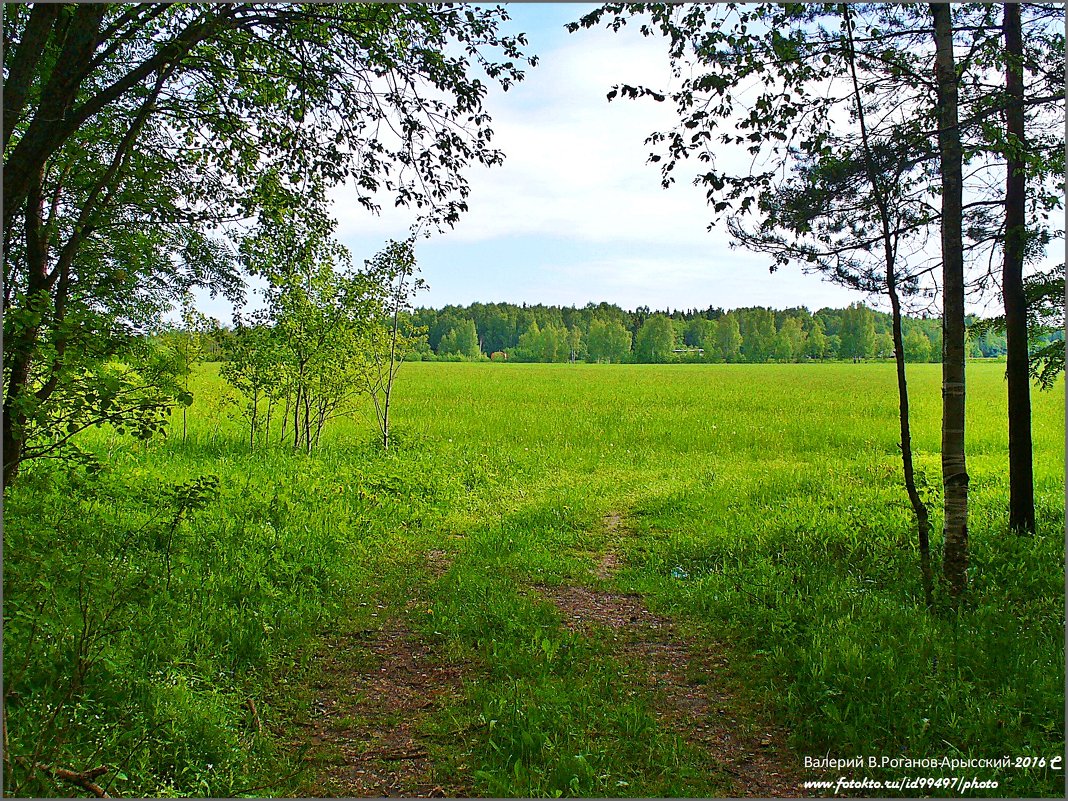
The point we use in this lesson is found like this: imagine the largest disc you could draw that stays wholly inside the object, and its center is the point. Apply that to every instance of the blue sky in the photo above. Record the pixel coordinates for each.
(575, 214)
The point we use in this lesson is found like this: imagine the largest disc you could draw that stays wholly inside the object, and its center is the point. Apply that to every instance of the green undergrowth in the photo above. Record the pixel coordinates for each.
(828, 615)
(547, 712)
(146, 604)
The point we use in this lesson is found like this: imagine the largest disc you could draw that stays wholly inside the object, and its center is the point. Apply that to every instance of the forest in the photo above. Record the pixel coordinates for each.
(352, 542)
(607, 333)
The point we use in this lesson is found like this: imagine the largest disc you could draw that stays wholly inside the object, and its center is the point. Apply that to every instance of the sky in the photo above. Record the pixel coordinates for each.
(576, 214)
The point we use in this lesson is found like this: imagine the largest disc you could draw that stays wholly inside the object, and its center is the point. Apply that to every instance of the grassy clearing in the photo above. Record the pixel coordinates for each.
(766, 510)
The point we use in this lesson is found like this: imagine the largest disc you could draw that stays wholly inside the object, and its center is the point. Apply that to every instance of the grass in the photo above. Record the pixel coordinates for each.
(767, 512)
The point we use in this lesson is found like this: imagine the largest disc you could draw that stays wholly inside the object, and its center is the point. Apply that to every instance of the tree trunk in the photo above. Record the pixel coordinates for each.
(1021, 474)
(889, 237)
(285, 419)
(21, 348)
(12, 445)
(954, 468)
(252, 425)
(393, 362)
(296, 419)
(919, 508)
(307, 423)
(76, 35)
(24, 63)
(385, 421)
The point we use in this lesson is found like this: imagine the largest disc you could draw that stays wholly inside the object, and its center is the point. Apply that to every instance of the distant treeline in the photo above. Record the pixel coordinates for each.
(607, 333)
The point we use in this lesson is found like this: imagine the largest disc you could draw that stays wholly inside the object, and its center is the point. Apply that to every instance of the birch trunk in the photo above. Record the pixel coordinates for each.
(954, 467)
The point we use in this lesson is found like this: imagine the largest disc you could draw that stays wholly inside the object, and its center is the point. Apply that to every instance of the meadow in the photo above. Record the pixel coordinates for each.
(165, 615)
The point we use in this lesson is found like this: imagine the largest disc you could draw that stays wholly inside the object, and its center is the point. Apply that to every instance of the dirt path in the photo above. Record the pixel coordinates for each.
(377, 686)
(691, 699)
(375, 689)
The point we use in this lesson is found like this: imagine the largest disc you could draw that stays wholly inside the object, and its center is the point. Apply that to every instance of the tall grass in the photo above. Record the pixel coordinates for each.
(147, 604)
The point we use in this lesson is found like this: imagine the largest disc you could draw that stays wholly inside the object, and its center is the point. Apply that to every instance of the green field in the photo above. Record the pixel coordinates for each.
(760, 508)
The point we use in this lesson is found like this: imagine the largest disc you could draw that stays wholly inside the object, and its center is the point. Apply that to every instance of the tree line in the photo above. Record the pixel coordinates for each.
(608, 333)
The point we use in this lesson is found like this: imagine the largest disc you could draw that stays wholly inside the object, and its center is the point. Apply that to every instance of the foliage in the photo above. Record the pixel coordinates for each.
(655, 341)
(133, 132)
(857, 333)
(757, 328)
(324, 322)
(144, 607)
(917, 346)
(461, 340)
(390, 335)
(548, 344)
(856, 201)
(602, 332)
(254, 366)
(817, 346)
(105, 377)
(607, 341)
(1045, 325)
(728, 341)
(771, 82)
(188, 345)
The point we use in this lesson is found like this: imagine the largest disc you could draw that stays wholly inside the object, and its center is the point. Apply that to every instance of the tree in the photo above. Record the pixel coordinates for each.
(787, 53)
(728, 343)
(637, 320)
(1028, 151)
(254, 367)
(393, 336)
(443, 322)
(553, 344)
(697, 331)
(884, 346)
(528, 347)
(574, 343)
(954, 465)
(917, 346)
(656, 340)
(857, 333)
(461, 340)
(757, 327)
(821, 215)
(1021, 469)
(1044, 296)
(782, 349)
(321, 312)
(188, 344)
(816, 344)
(548, 344)
(607, 341)
(793, 332)
(496, 327)
(130, 132)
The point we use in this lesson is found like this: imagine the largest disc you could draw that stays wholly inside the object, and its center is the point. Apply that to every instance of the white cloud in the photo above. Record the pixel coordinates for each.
(576, 178)
(575, 164)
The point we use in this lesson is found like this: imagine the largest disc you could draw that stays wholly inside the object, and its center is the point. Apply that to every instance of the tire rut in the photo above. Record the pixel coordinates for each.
(375, 689)
(683, 679)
